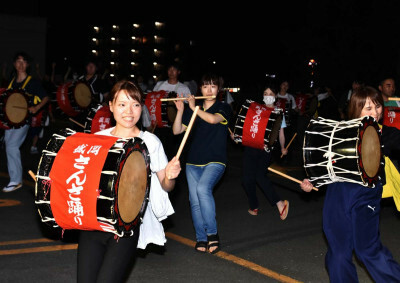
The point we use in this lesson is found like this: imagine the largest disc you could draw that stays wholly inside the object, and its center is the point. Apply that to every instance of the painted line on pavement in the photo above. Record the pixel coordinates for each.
(40, 249)
(242, 262)
(29, 241)
(9, 202)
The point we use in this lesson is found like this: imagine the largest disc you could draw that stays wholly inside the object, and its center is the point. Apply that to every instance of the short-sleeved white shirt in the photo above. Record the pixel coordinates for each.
(159, 206)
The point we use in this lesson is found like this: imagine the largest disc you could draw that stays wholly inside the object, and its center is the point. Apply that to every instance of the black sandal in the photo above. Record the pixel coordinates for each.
(201, 245)
(215, 243)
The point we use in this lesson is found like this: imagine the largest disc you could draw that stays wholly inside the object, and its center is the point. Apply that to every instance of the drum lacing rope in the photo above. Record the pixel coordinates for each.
(332, 176)
(329, 166)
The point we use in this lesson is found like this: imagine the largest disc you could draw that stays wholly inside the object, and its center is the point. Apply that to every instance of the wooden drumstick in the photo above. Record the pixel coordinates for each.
(394, 98)
(290, 143)
(76, 122)
(187, 132)
(230, 131)
(20, 107)
(287, 176)
(32, 175)
(185, 98)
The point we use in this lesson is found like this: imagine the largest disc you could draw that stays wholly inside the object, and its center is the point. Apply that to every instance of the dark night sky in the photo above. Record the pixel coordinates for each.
(347, 38)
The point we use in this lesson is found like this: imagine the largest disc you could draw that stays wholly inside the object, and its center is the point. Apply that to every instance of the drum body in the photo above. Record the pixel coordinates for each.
(13, 108)
(120, 196)
(286, 106)
(345, 151)
(73, 98)
(257, 125)
(162, 113)
(99, 118)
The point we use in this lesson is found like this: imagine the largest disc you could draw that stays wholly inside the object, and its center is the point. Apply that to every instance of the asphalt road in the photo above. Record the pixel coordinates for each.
(259, 248)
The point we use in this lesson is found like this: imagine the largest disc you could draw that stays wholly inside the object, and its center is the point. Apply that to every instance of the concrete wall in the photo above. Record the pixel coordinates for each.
(26, 34)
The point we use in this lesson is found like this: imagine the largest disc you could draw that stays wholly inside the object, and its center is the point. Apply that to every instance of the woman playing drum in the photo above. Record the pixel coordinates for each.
(21, 86)
(351, 212)
(255, 166)
(206, 160)
(101, 256)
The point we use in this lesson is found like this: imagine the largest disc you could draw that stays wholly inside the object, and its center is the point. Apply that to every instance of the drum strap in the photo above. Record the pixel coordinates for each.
(23, 86)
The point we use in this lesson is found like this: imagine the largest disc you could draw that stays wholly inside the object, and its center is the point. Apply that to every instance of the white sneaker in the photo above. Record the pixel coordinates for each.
(12, 187)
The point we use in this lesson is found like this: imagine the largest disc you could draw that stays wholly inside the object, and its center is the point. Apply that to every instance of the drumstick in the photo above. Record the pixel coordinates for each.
(394, 98)
(290, 142)
(287, 176)
(32, 175)
(76, 122)
(230, 131)
(20, 107)
(187, 132)
(185, 98)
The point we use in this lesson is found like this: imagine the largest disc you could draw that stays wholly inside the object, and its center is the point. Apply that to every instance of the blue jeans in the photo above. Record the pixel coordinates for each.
(14, 138)
(201, 181)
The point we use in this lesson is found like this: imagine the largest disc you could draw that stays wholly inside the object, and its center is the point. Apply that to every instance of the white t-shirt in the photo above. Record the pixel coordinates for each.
(290, 97)
(179, 88)
(159, 206)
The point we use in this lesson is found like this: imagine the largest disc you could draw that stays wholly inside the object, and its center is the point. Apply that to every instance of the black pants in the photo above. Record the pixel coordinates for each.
(255, 170)
(102, 258)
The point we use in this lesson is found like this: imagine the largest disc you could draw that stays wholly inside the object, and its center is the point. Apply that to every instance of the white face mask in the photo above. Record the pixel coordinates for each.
(269, 99)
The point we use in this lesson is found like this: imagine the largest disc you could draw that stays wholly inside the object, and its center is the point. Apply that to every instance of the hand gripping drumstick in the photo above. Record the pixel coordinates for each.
(230, 131)
(185, 98)
(290, 142)
(76, 122)
(287, 176)
(187, 132)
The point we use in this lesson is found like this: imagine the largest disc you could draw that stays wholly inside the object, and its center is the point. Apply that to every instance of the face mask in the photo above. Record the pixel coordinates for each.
(269, 99)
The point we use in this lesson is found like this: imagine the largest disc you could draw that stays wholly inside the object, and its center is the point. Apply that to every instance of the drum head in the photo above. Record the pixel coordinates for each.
(371, 151)
(132, 187)
(16, 108)
(83, 95)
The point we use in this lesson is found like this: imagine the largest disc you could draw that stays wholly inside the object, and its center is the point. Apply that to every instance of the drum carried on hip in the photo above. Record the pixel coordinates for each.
(93, 182)
(14, 105)
(162, 113)
(257, 125)
(345, 151)
(73, 98)
(99, 118)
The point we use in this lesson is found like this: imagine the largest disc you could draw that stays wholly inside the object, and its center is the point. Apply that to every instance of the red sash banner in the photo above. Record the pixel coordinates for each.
(75, 178)
(255, 125)
(281, 103)
(391, 116)
(153, 103)
(301, 101)
(102, 119)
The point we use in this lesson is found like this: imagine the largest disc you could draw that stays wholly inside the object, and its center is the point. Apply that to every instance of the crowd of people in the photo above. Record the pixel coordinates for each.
(205, 160)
